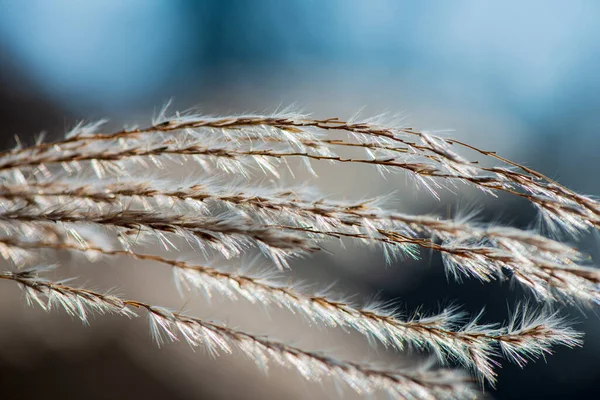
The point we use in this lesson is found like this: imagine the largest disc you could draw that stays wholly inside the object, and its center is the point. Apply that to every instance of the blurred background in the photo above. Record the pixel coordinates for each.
(517, 77)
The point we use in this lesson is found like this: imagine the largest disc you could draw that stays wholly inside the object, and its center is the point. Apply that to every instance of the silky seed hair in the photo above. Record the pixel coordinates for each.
(107, 195)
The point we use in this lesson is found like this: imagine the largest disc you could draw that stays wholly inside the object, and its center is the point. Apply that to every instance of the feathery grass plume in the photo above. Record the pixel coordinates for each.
(107, 195)
(552, 270)
(419, 382)
(427, 156)
(470, 344)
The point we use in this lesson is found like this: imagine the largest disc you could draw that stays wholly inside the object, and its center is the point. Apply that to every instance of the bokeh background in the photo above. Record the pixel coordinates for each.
(517, 77)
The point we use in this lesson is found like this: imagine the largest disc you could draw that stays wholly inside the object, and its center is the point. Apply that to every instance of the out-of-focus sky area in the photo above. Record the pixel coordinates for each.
(520, 77)
(530, 64)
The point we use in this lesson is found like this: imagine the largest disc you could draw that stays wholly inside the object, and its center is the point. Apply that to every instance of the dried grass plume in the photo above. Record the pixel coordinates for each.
(108, 195)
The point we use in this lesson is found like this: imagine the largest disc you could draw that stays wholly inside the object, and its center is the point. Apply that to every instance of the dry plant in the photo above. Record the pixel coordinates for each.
(105, 196)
